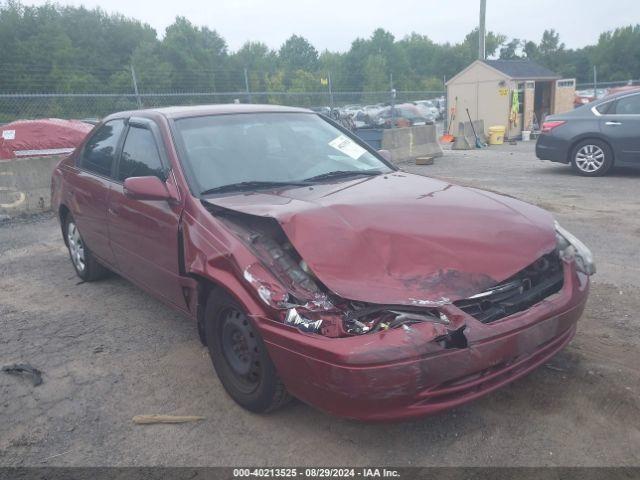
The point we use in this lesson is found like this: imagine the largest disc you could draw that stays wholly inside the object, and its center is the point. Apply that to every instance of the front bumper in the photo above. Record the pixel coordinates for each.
(550, 147)
(404, 373)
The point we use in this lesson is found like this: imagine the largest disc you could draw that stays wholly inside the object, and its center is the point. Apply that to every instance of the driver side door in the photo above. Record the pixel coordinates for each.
(144, 233)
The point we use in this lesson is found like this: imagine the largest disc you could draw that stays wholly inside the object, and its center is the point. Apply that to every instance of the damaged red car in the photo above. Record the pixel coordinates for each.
(313, 267)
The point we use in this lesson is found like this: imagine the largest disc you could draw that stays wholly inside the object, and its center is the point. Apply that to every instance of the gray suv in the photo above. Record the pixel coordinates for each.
(594, 137)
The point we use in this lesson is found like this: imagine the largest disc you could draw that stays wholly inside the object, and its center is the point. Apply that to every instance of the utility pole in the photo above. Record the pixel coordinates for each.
(135, 87)
(481, 31)
(330, 90)
(246, 85)
(595, 81)
(445, 124)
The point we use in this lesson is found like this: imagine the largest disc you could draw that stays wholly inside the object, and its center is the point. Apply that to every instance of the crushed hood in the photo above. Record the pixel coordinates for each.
(404, 239)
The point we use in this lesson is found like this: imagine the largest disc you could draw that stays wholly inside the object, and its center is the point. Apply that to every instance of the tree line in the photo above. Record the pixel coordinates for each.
(65, 49)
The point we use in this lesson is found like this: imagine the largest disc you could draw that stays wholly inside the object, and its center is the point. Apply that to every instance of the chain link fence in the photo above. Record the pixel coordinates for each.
(607, 85)
(97, 105)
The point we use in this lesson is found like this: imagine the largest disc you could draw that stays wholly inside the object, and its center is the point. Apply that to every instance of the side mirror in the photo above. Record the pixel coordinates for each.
(146, 188)
(386, 154)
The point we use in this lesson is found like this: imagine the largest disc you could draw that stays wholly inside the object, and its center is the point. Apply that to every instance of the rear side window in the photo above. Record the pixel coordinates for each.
(140, 157)
(100, 150)
(604, 108)
(628, 105)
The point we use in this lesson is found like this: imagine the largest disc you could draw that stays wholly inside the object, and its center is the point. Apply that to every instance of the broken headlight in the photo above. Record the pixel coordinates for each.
(570, 248)
(294, 319)
(270, 291)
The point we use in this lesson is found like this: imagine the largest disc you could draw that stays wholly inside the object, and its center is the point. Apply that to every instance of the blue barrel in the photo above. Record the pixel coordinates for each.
(373, 136)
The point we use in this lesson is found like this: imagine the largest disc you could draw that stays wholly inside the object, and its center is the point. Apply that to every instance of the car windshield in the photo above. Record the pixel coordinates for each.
(254, 150)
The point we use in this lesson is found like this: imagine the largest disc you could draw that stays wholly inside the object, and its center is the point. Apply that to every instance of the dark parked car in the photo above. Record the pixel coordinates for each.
(313, 267)
(595, 137)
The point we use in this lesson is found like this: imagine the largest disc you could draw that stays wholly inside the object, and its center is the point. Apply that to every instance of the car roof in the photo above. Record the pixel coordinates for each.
(205, 110)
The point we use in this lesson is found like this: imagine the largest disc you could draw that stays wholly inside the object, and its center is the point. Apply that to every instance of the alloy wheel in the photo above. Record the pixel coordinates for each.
(76, 247)
(590, 158)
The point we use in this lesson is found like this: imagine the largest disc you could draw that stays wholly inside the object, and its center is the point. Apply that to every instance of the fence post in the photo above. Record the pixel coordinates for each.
(330, 90)
(246, 85)
(135, 87)
(393, 100)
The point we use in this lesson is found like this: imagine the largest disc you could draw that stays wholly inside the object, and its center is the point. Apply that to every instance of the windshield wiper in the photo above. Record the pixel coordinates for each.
(343, 173)
(251, 185)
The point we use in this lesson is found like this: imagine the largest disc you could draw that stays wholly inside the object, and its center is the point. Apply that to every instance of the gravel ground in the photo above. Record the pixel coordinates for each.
(109, 351)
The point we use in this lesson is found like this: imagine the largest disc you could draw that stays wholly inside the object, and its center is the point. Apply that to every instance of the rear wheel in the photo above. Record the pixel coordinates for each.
(592, 158)
(239, 356)
(84, 263)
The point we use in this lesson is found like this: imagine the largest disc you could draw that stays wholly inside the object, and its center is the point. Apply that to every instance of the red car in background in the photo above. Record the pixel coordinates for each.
(313, 266)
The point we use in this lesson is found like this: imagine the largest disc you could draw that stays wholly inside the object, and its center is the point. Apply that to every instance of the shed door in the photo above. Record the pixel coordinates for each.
(563, 95)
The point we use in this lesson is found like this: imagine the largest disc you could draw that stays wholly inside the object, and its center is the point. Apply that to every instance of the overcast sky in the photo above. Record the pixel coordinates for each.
(333, 24)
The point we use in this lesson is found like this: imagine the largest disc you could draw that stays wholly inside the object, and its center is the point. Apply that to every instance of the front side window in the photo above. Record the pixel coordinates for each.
(223, 150)
(628, 105)
(99, 152)
(140, 157)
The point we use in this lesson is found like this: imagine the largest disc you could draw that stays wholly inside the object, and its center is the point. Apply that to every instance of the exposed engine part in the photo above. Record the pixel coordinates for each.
(357, 327)
(375, 318)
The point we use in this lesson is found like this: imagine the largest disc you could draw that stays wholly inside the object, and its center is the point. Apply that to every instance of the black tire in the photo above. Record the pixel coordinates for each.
(239, 356)
(592, 158)
(89, 270)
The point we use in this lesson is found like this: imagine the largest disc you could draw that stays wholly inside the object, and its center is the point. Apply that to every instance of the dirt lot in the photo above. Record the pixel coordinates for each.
(109, 352)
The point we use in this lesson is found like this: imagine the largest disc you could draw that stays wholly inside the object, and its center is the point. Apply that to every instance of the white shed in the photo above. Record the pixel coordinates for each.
(486, 88)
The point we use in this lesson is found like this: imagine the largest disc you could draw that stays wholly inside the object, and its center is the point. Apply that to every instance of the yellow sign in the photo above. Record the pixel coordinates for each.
(503, 92)
(324, 81)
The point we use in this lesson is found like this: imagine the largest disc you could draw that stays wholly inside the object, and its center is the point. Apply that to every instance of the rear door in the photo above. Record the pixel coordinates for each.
(88, 188)
(144, 234)
(621, 125)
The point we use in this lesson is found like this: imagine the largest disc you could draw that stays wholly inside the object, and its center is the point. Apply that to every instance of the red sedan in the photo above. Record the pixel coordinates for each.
(313, 266)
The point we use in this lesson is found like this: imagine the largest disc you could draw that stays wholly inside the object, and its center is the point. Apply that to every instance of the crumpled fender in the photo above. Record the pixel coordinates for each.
(204, 257)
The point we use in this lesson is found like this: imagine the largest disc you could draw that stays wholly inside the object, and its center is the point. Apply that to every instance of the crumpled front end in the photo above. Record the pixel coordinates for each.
(377, 361)
(424, 368)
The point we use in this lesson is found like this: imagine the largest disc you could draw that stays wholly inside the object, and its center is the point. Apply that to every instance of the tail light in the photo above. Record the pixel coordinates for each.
(548, 126)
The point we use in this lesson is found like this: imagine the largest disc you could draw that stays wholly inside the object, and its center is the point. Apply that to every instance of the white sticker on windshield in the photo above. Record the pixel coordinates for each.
(347, 146)
(9, 134)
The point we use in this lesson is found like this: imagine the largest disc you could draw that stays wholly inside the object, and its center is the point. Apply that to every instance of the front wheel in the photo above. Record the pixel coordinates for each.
(240, 357)
(592, 158)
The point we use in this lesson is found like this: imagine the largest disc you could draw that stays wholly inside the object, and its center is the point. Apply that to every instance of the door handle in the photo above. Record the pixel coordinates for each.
(613, 124)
